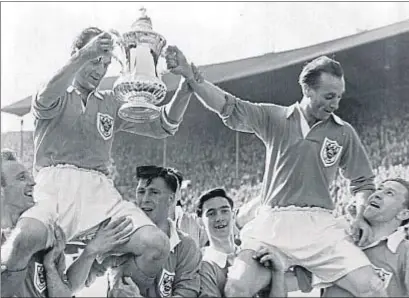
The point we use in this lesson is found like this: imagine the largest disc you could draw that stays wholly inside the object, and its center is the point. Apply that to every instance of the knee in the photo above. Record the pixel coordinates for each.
(372, 286)
(156, 243)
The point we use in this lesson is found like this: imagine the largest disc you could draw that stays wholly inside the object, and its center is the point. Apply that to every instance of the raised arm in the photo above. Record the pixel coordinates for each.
(49, 98)
(237, 114)
(356, 167)
(210, 95)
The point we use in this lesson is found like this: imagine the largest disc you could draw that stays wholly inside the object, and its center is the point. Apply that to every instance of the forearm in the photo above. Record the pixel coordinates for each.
(278, 284)
(210, 95)
(55, 285)
(176, 108)
(78, 272)
(61, 80)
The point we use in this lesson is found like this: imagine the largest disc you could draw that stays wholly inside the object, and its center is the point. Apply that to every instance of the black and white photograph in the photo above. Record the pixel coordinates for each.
(204, 149)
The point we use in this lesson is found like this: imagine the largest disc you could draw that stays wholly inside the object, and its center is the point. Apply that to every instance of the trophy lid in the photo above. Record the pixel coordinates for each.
(143, 23)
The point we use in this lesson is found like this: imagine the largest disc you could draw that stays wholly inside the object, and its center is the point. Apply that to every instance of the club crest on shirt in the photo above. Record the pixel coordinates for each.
(166, 283)
(385, 276)
(330, 152)
(39, 277)
(105, 125)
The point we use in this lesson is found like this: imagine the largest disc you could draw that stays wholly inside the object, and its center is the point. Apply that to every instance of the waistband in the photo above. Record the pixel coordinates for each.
(293, 208)
(72, 167)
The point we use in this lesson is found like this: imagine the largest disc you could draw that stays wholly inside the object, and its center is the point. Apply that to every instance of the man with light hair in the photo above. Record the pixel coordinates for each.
(75, 124)
(44, 275)
(388, 214)
(306, 144)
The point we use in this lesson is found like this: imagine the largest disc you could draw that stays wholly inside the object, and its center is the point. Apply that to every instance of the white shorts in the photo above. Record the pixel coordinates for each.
(78, 200)
(309, 237)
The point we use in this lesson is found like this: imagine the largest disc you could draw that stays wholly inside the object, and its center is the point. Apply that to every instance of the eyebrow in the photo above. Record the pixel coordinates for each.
(220, 208)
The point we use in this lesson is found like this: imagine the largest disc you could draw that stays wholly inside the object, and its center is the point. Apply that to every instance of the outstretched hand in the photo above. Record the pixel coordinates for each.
(177, 63)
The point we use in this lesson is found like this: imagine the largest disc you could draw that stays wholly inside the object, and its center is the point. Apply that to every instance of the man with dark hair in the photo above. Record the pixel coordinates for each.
(44, 275)
(215, 208)
(75, 124)
(306, 143)
(155, 195)
(388, 213)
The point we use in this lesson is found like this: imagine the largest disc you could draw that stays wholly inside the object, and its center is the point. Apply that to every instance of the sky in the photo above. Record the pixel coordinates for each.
(36, 37)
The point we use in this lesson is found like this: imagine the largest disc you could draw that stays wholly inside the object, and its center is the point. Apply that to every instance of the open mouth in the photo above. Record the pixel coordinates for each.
(220, 226)
(374, 204)
(28, 193)
(147, 209)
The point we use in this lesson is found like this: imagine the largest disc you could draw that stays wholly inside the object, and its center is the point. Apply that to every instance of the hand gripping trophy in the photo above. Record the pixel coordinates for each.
(139, 86)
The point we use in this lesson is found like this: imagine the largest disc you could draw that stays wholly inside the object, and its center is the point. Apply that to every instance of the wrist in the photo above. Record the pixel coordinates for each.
(90, 251)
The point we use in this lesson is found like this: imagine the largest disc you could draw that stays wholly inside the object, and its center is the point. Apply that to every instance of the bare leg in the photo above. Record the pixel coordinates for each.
(363, 282)
(150, 246)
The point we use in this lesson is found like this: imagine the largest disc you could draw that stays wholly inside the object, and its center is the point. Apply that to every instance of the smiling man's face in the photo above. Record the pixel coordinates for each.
(388, 202)
(217, 217)
(18, 188)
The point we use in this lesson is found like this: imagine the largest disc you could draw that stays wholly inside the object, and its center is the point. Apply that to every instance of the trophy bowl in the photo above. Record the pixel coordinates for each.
(139, 87)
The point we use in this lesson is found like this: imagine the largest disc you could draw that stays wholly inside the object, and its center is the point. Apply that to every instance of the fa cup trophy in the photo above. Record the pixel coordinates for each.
(139, 86)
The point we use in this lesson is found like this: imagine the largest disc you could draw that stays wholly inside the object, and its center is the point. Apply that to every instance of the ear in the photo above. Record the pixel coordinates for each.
(403, 215)
(308, 91)
(172, 198)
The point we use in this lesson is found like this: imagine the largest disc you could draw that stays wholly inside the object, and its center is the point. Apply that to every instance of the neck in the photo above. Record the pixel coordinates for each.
(225, 245)
(82, 89)
(311, 120)
(9, 216)
(384, 229)
(163, 225)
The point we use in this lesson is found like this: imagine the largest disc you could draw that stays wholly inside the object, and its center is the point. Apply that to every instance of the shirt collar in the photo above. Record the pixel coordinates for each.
(96, 92)
(392, 241)
(290, 111)
(174, 238)
(218, 257)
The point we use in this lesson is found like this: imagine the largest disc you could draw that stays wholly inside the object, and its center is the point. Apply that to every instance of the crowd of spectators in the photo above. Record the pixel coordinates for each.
(204, 150)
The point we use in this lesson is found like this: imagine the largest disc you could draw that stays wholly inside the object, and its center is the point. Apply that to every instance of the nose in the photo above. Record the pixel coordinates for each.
(31, 182)
(335, 104)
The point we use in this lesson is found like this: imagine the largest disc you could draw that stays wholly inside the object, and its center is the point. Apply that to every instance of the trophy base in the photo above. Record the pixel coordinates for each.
(138, 112)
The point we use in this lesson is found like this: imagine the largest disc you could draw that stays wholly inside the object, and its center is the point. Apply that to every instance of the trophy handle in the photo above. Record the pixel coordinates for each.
(119, 44)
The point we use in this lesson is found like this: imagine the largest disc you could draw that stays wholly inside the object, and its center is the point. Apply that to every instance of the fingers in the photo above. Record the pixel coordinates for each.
(115, 223)
(266, 259)
(171, 56)
(198, 76)
(261, 252)
(125, 225)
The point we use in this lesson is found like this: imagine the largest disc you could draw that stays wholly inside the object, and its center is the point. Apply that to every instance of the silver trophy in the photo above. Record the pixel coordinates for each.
(139, 86)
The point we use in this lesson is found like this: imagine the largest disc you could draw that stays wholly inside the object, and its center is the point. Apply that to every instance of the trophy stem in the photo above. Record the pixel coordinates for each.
(142, 61)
